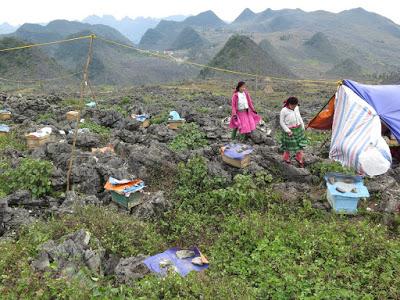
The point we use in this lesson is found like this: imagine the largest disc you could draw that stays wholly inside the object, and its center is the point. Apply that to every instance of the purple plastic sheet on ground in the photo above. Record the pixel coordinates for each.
(237, 151)
(183, 266)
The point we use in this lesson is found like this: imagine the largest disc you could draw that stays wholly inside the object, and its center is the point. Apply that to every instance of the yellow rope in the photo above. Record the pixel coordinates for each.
(40, 80)
(46, 44)
(170, 57)
(167, 57)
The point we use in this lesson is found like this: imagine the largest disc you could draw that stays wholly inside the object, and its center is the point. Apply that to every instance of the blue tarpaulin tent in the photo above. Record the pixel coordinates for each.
(355, 115)
(385, 99)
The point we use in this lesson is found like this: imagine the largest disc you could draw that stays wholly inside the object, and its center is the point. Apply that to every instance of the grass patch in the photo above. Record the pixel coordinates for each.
(190, 137)
(258, 246)
(32, 175)
(12, 141)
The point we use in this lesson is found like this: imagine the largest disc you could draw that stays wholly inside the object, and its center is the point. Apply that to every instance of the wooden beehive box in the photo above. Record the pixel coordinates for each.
(172, 124)
(4, 116)
(72, 115)
(2, 133)
(126, 202)
(34, 142)
(237, 163)
(145, 123)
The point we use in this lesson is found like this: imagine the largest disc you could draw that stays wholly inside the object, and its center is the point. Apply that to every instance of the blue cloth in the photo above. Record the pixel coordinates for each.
(135, 188)
(237, 151)
(361, 189)
(91, 104)
(174, 116)
(4, 128)
(183, 266)
(385, 99)
(142, 118)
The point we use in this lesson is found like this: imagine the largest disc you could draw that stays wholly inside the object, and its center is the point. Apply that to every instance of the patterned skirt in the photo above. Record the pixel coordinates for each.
(294, 143)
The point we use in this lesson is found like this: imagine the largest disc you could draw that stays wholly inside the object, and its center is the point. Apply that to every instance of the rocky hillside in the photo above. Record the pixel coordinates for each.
(166, 32)
(311, 43)
(242, 54)
(269, 223)
(28, 63)
(110, 65)
(188, 39)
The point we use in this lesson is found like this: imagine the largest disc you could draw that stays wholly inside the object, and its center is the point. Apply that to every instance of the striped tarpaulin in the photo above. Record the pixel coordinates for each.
(356, 130)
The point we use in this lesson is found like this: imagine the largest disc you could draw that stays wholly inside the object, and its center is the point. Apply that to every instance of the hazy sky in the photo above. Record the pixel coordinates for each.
(38, 11)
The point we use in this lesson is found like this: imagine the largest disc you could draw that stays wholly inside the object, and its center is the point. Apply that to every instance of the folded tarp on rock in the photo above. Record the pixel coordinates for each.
(141, 118)
(41, 132)
(236, 151)
(91, 104)
(182, 266)
(4, 128)
(174, 116)
(124, 187)
(3, 111)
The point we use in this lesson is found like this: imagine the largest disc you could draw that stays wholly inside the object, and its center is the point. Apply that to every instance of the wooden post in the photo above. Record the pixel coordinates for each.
(81, 105)
(255, 93)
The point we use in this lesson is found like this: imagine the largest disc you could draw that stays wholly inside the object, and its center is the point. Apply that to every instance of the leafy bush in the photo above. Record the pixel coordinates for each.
(189, 138)
(160, 118)
(12, 141)
(320, 169)
(33, 175)
(102, 131)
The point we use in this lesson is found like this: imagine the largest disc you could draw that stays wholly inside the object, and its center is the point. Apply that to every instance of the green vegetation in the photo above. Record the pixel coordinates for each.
(44, 117)
(258, 247)
(321, 168)
(12, 141)
(30, 174)
(104, 132)
(189, 138)
(242, 54)
(160, 118)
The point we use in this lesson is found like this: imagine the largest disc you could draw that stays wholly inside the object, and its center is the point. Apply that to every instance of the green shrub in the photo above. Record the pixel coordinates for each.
(189, 138)
(44, 117)
(102, 131)
(12, 141)
(33, 175)
(322, 168)
(160, 118)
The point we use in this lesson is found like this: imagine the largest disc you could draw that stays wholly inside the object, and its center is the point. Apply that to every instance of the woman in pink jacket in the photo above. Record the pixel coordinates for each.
(244, 117)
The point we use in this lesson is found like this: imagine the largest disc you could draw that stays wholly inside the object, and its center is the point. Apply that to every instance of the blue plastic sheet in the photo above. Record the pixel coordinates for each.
(385, 99)
(4, 128)
(237, 151)
(135, 188)
(174, 116)
(3, 111)
(142, 118)
(91, 104)
(183, 266)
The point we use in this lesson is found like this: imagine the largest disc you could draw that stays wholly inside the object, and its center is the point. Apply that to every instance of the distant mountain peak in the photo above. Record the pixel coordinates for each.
(241, 53)
(246, 15)
(207, 18)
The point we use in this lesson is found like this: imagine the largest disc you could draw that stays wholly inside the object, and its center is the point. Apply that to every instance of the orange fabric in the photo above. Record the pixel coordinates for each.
(324, 120)
(120, 187)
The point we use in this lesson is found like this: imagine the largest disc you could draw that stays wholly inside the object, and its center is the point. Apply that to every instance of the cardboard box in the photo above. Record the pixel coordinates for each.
(34, 142)
(4, 116)
(237, 163)
(72, 115)
(175, 124)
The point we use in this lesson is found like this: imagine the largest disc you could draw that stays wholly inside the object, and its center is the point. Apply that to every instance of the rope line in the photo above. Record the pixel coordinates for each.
(40, 80)
(170, 57)
(46, 44)
(162, 56)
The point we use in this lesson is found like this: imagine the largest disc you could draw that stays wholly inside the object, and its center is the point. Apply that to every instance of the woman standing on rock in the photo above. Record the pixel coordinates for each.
(293, 139)
(244, 117)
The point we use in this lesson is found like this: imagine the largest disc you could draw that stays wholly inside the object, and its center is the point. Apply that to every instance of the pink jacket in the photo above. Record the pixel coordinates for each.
(235, 123)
